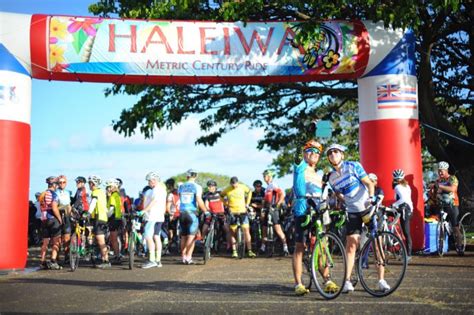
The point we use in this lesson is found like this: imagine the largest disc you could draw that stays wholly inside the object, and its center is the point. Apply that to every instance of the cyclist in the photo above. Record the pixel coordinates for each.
(238, 200)
(172, 209)
(98, 211)
(273, 202)
(403, 204)
(353, 186)
(190, 199)
(80, 201)
(306, 182)
(154, 209)
(114, 214)
(64, 205)
(378, 191)
(51, 224)
(258, 195)
(447, 198)
(212, 200)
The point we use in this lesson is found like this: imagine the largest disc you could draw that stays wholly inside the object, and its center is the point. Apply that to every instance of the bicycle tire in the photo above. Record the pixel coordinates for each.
(306, 277)
(131, 250)
(388, 250)
(328, 262)
(460, 248)
(208, 243)
(240, 243)
(74, 252)
(440, 233)
(270, 244)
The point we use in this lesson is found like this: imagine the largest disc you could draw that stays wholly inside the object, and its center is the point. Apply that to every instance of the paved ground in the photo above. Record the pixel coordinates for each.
(224, 285)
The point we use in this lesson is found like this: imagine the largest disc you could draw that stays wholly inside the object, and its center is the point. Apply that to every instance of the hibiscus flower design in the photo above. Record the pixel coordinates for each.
(331, 59)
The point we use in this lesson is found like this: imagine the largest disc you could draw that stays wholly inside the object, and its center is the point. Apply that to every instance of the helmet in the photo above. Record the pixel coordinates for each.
(112, 182)
(398, 174)
(268, 172)
(152, 175)
(234, 180)
(170, 182)
(80, 179)
(313, 144)
(211, 183)
(37, 194)
(257, 182)
(119, 181)
(51, 180)
(372, 177)
(335, 146)
(62, 177)
(191, 173)
(95, 180)
(443, 165)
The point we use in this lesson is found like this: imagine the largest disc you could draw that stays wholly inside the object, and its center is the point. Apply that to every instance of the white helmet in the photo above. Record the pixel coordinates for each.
(152, 175)
(191, 173)
(443, 165)
(95, 180)
(372, 177)
(112, 182)
(398, 174)
(335, 146)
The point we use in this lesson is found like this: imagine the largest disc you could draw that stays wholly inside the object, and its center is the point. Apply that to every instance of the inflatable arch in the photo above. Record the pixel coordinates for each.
(194, 52)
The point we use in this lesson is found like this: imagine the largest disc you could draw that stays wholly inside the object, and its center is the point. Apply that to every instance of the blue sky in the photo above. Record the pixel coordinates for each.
(72, 133)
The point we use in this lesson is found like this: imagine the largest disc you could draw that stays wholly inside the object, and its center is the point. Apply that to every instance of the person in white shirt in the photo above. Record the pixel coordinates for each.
(403, 204)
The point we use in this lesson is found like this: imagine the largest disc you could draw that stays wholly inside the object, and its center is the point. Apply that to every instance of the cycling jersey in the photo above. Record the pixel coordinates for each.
(80, 200)
(115, 201)
(100, 210)
(446, 197)
(214, 200)
(306, 182)
(348, 182)
(188, 193)
(258, 196)
(157, 210)
(273, 194)
(64, 197)
(46, 204)
(173, 199)
(236, 199)
(403, 195)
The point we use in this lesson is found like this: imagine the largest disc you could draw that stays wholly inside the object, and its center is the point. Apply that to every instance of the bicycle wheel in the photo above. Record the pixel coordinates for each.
(240, 243)
(270, 245)
(74, 252)
(131, 249)
(384, 251)
(461, 247)
(440, 233)
(328, 263)
(306, 277)
(208, 243)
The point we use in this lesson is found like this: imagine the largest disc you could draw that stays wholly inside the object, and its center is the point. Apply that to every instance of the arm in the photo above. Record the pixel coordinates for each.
(369, 184)
(56, 211)
(249, 197)
(448, 188)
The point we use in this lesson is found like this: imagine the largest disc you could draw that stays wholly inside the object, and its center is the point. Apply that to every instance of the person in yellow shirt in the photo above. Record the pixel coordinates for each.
(98, 210)
(238, 199)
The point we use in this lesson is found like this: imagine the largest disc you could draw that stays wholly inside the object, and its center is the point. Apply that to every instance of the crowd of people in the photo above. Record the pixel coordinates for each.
(165, 203)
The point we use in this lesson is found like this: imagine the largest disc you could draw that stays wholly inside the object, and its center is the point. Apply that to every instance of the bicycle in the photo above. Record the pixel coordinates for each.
(239, 236)
(211, 237)
(255, 228)
(270, 242)
(445, 229)
(82, 241)
(382, 249)
(133, 227)
(325, 256)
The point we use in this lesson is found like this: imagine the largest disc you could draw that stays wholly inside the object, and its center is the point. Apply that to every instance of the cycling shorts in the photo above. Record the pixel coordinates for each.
(152, 228)
(453, 214)
(51, 228)
(354, 223)
(66, 227)
(275, 217)
(115, 225)
(301, 233)
(233, 217)
(100, 228)
(221, 218)
(188, 222)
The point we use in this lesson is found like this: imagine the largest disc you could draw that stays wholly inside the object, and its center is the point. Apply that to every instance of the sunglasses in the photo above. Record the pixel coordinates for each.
(62, 182)
(312, 150)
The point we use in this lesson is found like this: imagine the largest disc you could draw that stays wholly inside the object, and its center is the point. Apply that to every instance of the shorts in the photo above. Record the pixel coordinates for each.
(152, 228)
(275, 216)
(453, 214)
(301, 233)
(233, 219)
(100, 228)
(51, 228)
(354, 223)
(188, 223)
(66, 226)
(220, 217)
(115, 225)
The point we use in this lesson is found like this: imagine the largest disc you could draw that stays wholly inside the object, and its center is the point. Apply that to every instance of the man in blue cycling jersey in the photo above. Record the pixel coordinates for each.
(353, 186)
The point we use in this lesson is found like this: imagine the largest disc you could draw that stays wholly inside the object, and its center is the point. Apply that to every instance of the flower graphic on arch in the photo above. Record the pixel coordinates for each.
(87, 25)
(57, 29)
(56, 54)
(346, 66)
(331, 59)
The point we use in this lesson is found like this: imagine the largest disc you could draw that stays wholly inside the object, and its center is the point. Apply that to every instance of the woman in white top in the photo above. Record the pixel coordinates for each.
(403, 204)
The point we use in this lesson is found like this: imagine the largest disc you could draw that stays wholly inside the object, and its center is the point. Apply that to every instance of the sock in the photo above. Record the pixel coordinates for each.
(158, 255)
(152, 256)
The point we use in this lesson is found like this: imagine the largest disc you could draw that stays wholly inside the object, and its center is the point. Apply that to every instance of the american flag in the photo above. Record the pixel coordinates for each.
(396, 96)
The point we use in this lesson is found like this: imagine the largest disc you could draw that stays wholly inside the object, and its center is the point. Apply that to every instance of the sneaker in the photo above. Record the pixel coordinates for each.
(117, 261)
(286, 252)
(190, 262)
(149, 264)
(330, 287)
(300, 290)
(53, 265)
(251, 254)
(262, 249)
(234, 254)
(104, 265)
(348, 287)
(43, 265)
(158, 264)
(383, 285)
(408, 258)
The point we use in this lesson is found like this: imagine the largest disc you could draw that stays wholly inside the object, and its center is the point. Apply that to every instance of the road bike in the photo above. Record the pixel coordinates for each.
(210, 238)
(445, 229)
(133, 228)
(82, 240)
(382, 254)
(255, 228)
(239, 235)
(325, 257)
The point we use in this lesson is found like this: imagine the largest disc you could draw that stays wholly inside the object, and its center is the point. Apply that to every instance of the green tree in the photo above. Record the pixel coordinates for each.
(445, 44)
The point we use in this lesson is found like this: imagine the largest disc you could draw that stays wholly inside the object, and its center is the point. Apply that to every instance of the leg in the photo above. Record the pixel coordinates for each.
(297, 262)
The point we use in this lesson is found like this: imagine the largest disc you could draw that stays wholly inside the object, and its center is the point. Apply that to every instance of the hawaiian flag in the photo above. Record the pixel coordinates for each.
(396, 96)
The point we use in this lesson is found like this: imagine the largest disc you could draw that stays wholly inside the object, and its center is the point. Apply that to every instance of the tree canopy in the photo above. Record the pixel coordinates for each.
(445, 67)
